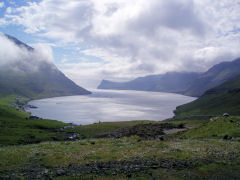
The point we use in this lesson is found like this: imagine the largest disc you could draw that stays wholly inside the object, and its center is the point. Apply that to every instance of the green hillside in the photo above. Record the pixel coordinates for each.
(25, 79)
(200, 152)
(17, 128)
(44, 152)
(185, 148)
(224, 98)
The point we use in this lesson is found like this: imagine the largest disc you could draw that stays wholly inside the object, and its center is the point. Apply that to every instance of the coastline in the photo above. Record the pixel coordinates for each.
(125, 105)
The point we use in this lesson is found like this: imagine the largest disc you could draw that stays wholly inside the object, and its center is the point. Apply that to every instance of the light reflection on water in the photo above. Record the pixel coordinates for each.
(109, 105)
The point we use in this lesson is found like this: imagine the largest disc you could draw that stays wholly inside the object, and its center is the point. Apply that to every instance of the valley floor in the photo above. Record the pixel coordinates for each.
(196, 148)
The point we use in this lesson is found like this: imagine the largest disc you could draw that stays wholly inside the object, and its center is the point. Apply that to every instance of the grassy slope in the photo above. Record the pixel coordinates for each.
(202, 141)
(224, 98)
(60, 154)
(15, 129)
(218, 127)
(215, 128)
(92, 130)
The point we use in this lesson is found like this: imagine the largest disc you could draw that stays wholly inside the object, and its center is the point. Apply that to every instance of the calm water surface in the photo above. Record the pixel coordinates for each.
(109, 105)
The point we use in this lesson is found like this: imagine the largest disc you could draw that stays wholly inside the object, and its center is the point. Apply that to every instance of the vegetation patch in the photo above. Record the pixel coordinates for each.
(119, 157)
(224, 98)
(208, 148)
(17, 128)
(145, 131)
(92, 130)
(219, 127)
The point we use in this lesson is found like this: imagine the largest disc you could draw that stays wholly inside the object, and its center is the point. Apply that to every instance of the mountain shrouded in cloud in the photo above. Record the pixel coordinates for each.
(30, 72)
(20, 57)
(122, 40)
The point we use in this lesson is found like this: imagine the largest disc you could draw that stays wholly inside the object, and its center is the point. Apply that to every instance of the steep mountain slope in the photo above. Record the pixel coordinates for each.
(216, 101)
(19, 43)
(34, 78)
(215, 76)
(191, 84)
(170, 82)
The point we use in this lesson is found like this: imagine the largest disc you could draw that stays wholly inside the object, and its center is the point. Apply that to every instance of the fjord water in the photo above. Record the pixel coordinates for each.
(109, 106)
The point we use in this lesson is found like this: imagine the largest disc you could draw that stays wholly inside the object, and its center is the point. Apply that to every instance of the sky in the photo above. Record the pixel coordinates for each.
(119, 40)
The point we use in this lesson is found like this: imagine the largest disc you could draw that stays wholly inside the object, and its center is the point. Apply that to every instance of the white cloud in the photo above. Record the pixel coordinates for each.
(8, 10)
(11, 2)
(2, 4)
(19, 58)
(64, 60)
(137, 37)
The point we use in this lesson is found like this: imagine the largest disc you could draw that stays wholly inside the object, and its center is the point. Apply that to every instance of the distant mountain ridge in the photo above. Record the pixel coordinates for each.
(47, 81)
(173, 82)
(191, 84)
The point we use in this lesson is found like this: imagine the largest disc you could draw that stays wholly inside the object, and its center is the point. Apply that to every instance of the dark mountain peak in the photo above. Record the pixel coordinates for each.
(18, 42)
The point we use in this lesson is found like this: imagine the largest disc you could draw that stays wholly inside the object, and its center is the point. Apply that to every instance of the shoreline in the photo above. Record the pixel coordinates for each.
(124, 107)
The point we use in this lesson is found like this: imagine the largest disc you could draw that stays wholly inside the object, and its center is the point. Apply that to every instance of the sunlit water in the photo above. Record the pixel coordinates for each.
(109, 105)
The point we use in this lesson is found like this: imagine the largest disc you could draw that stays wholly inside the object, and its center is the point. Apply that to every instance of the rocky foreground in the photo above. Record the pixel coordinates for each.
(132, 150)
(111, 168)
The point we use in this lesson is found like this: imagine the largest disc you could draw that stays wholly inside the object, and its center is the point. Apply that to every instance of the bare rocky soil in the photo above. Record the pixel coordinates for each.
(145, 131)
(112, 168)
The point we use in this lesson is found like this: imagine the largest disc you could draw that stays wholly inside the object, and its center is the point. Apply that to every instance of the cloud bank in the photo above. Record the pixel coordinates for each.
(21, 59)
(137, 37)
(2, 4)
